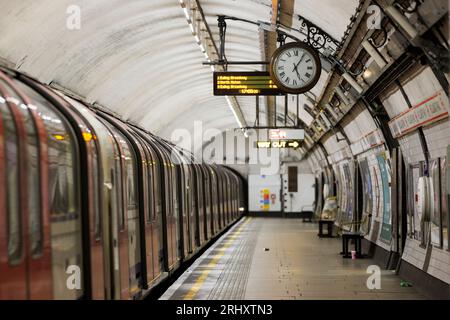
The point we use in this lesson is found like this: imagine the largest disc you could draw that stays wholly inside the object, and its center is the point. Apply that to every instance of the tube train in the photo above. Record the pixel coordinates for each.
(92, 207)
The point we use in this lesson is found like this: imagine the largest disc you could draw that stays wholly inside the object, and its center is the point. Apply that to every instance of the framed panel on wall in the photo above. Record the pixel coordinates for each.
(367, 195)
(385, 234)
(436, 205)
(414, 174)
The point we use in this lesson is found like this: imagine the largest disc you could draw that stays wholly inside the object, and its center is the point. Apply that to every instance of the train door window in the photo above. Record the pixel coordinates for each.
(64, 203)
(11, 157)
(117, 175)
(33, 178)
(150, 183)
(292, 179)
(96, 187)
(33, 181)
(156, 185)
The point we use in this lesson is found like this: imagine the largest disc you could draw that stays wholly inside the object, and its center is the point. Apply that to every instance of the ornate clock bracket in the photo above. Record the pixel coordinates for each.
(326, 45)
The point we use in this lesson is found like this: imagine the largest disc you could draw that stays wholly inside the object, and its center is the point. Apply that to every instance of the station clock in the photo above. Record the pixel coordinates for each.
(295, 67)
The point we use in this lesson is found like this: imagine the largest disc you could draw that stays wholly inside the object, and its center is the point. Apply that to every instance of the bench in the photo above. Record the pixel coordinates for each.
(329, 224)
(356, 237)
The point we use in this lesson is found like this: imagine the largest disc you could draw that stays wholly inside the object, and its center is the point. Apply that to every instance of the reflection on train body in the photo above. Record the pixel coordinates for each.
(83, 193)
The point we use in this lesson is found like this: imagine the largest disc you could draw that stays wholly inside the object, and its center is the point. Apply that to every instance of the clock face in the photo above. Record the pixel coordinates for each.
(295, 67)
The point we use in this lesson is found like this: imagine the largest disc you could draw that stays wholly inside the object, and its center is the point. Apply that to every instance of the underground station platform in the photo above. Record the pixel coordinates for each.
(281, 259)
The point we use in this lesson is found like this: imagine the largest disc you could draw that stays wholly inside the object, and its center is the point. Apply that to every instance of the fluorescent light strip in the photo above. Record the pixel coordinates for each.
(202, 48)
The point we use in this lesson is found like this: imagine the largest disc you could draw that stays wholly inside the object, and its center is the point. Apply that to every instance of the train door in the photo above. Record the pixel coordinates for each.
(175, 212)
(190, 205)
(40, 159)
(154, 220)
(124, 215)
(208, 206)
(100, 148)
(146, 207)
(24, 226)
(224, 200)
(215, 213)
(228, 197)
(170, 209)
(183, 204)
(200, 208)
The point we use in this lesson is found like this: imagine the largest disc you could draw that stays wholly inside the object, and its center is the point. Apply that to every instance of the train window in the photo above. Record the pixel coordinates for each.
(33, 181)
(33, 178)
(150, 183)
(12, 180)
(96, 179)
(131, 171)
(156, 185)
(117, 178)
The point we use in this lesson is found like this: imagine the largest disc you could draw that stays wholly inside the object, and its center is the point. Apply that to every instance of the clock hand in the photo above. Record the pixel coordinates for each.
(298, 74)
(301, 59)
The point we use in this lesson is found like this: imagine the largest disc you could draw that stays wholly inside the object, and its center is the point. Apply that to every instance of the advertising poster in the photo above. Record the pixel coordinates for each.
(385, 234)
(367, 195)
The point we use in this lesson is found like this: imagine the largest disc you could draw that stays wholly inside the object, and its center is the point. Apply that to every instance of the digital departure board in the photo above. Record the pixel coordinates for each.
(256, 83)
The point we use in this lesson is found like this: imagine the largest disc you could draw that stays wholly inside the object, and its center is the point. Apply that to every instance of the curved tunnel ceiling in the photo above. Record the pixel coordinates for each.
(139, 58)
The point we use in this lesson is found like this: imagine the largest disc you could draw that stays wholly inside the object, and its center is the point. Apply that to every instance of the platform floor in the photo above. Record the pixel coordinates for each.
(296, 265)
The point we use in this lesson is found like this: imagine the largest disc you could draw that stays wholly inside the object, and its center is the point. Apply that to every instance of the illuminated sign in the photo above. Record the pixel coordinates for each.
(286, 134)
(294, 144)
(244, 84)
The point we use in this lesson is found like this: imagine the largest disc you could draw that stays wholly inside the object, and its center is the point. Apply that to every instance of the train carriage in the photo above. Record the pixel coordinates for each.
(94, 207)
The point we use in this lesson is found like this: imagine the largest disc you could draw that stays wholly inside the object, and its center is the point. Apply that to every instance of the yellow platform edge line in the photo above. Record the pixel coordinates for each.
(190, 295)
